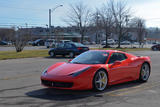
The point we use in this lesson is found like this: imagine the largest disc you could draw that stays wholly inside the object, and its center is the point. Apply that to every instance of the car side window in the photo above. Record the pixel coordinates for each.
(60, 45)
(67, 45)
(117, 57)
(121, 56)
(113, 58)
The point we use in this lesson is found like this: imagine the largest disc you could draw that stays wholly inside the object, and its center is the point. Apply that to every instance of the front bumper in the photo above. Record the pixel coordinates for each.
(66, 82)
(57, 84)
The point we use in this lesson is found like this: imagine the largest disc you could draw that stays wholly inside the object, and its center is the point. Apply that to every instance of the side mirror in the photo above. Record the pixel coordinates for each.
(69, 60)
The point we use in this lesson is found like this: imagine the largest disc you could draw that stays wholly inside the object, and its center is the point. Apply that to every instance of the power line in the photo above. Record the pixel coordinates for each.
(6, 18)
(21, 23)
(24, 25)
(34, 9)
(153, 19)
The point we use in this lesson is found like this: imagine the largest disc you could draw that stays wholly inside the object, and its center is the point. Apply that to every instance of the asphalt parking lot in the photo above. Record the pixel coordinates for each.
(20, 87)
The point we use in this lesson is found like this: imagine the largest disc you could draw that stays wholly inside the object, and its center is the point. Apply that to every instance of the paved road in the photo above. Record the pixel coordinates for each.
(20, 87)
(9, 48)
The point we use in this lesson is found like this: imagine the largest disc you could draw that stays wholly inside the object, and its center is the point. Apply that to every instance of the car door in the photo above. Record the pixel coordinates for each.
(68, 48)
(118, 72)
(59, 49)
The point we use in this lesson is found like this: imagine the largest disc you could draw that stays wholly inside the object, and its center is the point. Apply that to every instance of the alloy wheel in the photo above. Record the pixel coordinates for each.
(145, 72)
(100, 80)
(52, 54)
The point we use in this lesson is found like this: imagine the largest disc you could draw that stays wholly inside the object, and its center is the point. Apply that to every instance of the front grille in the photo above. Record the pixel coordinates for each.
(57, 84)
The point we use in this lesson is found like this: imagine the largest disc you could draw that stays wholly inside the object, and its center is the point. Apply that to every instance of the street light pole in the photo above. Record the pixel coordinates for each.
(49, 18)
(50, 11)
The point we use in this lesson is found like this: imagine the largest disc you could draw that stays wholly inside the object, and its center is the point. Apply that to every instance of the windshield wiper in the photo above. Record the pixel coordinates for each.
(76, 63)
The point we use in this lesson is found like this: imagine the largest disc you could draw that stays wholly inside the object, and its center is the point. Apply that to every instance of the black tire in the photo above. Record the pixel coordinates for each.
(52, 54)
(71, 55)
(154, 49)
(144, 73)
(64, 56)
(96, 79)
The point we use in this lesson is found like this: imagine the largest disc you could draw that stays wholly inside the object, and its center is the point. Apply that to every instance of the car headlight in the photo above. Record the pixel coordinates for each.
(44, 72)
(79, 72)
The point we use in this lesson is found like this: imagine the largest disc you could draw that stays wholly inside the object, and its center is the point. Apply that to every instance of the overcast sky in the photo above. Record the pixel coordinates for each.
(35, 12)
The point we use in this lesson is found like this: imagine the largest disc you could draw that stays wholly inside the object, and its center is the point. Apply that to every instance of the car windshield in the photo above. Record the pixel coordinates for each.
(91, 57)
(38, 40)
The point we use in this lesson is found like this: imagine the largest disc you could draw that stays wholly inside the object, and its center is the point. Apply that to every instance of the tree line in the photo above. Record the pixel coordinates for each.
(113, 16)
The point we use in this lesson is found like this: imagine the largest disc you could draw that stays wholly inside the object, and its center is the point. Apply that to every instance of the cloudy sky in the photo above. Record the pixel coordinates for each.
(35, 12)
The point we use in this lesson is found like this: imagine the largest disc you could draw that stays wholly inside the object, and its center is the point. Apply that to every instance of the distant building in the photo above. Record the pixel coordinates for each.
(75, 37)
(56, 33)
(153, 36)
(6, 34)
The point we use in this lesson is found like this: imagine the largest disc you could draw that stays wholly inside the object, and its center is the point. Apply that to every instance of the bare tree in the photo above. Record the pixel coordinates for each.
(107, 22)
(20, 39)
(95, 23)
(121, 15)
(79, 16)
(139, 25)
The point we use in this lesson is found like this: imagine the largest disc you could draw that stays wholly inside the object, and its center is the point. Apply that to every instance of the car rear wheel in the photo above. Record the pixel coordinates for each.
(64, 55)
(145, 72)
(71, 55)
(52, 54)
(154, 49)
(100, 80)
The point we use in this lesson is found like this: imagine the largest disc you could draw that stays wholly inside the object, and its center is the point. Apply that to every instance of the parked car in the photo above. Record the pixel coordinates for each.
(49, 43)
(135, 43)
(96, 69)
(38, 42)
(30, 42)
(9, 43)
(69, 48)
(3, 43)
(154, 43)
(109, 42)
(86, 43)
(125, 43)
(155, 47)
(65, 41)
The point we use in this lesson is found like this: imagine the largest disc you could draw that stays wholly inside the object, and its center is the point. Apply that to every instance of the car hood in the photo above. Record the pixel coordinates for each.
(66, 69)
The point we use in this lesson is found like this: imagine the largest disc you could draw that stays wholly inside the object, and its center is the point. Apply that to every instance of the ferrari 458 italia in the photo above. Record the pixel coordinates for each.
(96, 69)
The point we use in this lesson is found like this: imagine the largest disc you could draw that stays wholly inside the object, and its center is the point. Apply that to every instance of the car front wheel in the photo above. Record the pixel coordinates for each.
(100, 80)
(144, 73)
(52, 54)
(154, 49)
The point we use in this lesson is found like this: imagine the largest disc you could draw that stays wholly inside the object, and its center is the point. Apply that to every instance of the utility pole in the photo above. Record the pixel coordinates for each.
(49, 22)
(50, 11)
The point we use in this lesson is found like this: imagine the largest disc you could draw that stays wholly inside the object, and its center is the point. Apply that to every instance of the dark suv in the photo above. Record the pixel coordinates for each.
(69, 48)
(38, 42)
(3, 43)
(155, 47)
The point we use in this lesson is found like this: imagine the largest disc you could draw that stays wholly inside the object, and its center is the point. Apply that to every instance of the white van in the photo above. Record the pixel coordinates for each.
(49, 43)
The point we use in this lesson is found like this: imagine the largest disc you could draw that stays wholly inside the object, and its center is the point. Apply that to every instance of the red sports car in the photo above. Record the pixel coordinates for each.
(97, 69)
